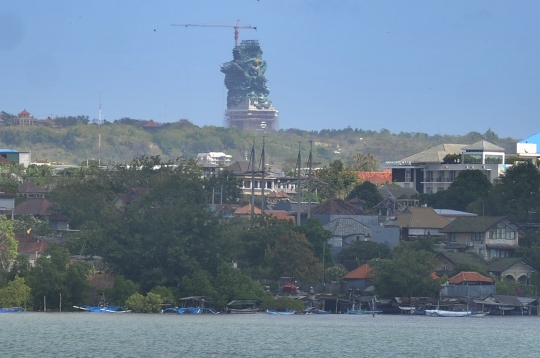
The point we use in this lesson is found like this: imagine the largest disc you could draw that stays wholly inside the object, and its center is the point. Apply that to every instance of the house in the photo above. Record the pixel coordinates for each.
(468, 285)
(509, 305)
(419, 222)
(25, 119)
(151, 126)
(510, 269)
(7, 203)
(29, 189)
(333, 209)
(448, 261)
(30, 246)
(10, 156)
(345, 232)
(38, 207)
(359, 278)
(134, 194)
(245, 211)
(435, 169)
(59, 222)
(214, 158)
(488, 236)
(453, 214)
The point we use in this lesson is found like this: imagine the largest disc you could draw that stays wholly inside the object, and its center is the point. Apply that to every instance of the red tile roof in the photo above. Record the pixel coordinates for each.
(376, 177)
(362, 272)
(246, 210)
(24, 112)
(281, 214)
(467, 276)
(151, 124)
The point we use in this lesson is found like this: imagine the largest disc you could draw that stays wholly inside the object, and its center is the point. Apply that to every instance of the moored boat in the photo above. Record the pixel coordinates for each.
(107, 309)
(442, 313)
(11, 309)
(285, 313)
(189, 310)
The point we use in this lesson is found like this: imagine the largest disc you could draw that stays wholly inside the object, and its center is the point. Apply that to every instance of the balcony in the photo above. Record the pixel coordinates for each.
(438, 180)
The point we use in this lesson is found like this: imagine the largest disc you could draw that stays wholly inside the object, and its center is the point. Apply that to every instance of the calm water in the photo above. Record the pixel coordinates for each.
(261, 335)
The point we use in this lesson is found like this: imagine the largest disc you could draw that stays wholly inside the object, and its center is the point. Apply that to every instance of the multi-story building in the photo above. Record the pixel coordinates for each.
(436, 169)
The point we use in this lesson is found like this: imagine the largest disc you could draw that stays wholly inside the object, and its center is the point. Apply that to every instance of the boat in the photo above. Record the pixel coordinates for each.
(243, 310)
(285, 313)
(189, 310)
(443, 313)
(107, 309)
(11, 309)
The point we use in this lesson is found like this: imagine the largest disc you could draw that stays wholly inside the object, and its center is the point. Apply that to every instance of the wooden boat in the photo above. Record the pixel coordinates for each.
(442, 313)
(11, 309)
(243, 310)
(286, 313)
(103, 309)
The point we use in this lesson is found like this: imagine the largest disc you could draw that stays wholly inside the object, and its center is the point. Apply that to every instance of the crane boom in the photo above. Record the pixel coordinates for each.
(235, 27)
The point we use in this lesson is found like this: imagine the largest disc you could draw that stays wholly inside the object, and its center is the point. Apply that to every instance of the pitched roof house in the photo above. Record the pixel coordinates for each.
(419, 222)
(488, 236)
(31, 246)
(359, 278)
(38, 207)
(345, 232)
(30, 189)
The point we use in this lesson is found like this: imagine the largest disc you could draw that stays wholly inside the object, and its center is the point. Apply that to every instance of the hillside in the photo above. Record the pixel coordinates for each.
(122, 142)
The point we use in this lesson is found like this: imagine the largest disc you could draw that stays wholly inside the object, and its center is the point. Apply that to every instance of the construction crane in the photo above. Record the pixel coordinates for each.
(235, 27)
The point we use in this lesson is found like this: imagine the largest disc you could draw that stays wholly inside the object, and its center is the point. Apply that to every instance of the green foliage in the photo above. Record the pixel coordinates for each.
(19, 267)
(468, 268)
(417, 245)
(516, 194)
(8, 244)
(37, 226)
(513, 288)
(226, 188)
(233, 284)
(292, 256)
(335, 181)
(469, 186)
(363, 162)
(282, 303)
(368, 192)
(166, 294)
(363, 251)
(151, 303)
(15, 294)
(122, 290)
(318, 237)
(407, 274)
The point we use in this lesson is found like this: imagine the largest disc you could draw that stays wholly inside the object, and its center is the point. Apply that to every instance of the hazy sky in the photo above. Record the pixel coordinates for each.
(413, 66)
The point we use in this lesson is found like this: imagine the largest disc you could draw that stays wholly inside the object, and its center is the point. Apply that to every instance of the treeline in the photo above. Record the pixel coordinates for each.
(75, 141)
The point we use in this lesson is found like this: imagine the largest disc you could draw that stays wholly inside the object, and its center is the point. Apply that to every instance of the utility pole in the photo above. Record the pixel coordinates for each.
(252, 179)
(262, 180)
(298, 186)
(310, 164)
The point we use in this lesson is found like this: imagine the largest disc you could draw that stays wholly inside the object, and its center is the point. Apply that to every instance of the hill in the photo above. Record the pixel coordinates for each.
(126, 139)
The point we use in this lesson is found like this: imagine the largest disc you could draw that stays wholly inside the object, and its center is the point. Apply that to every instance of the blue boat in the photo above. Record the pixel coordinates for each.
(189, 310)
(103, 309)
(11, 309)
(357, 311)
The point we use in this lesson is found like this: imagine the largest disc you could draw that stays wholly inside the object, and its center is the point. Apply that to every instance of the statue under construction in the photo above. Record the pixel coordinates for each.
(248, 106)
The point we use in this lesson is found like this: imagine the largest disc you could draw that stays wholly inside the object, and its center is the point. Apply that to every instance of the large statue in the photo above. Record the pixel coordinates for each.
(244, 76)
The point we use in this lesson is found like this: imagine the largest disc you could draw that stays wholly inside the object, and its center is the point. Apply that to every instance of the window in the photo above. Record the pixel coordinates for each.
(472, 159)
(493, 159)
(477, 236)
(407, 175)
(452, 237)
(440, 188)
(247, 184)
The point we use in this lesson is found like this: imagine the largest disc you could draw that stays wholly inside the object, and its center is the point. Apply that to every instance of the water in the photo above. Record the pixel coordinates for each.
(261, 335)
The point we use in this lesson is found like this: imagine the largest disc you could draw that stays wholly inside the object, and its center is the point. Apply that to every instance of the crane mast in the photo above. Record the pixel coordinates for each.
(235, 27)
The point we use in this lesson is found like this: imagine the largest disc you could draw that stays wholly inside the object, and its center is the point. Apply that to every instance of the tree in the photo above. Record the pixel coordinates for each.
(335, 180)
(292, 256)
(363, 251)
(318, 237)
(122, 290)
(469, 186)
(225, 187)
(15, 294)
(368, 192)
(231, 284)
(516, 194)
(363, 162)
(151, 303)
(407, 274)
(8, 244)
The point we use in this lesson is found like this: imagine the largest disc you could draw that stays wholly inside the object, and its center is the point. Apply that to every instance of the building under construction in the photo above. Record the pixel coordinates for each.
(248, 106)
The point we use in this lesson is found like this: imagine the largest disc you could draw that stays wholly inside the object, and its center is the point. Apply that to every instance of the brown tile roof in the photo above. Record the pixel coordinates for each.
(124, 197)
(5, 161)
(33, 206)
(24, 111)
(246, 210)
(467, 276)
(280, 214)
(420, 217)
(151, 124)
(30, 187)
(30, 244)
(362, 272)
(336, 207)
(473, 223)
(278, 195)
(4, 194)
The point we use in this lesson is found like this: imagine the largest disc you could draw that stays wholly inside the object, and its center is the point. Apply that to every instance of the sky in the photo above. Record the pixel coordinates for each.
(438, 67)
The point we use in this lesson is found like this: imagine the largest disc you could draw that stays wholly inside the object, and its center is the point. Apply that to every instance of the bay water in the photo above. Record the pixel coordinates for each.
(83, 334)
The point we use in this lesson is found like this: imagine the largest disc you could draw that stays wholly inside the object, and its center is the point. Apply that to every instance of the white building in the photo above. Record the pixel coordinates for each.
(435, 169)
(215, 158)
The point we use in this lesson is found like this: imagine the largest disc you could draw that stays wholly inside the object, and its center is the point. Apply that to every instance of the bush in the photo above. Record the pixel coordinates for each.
(282, 303)
(151, 303)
